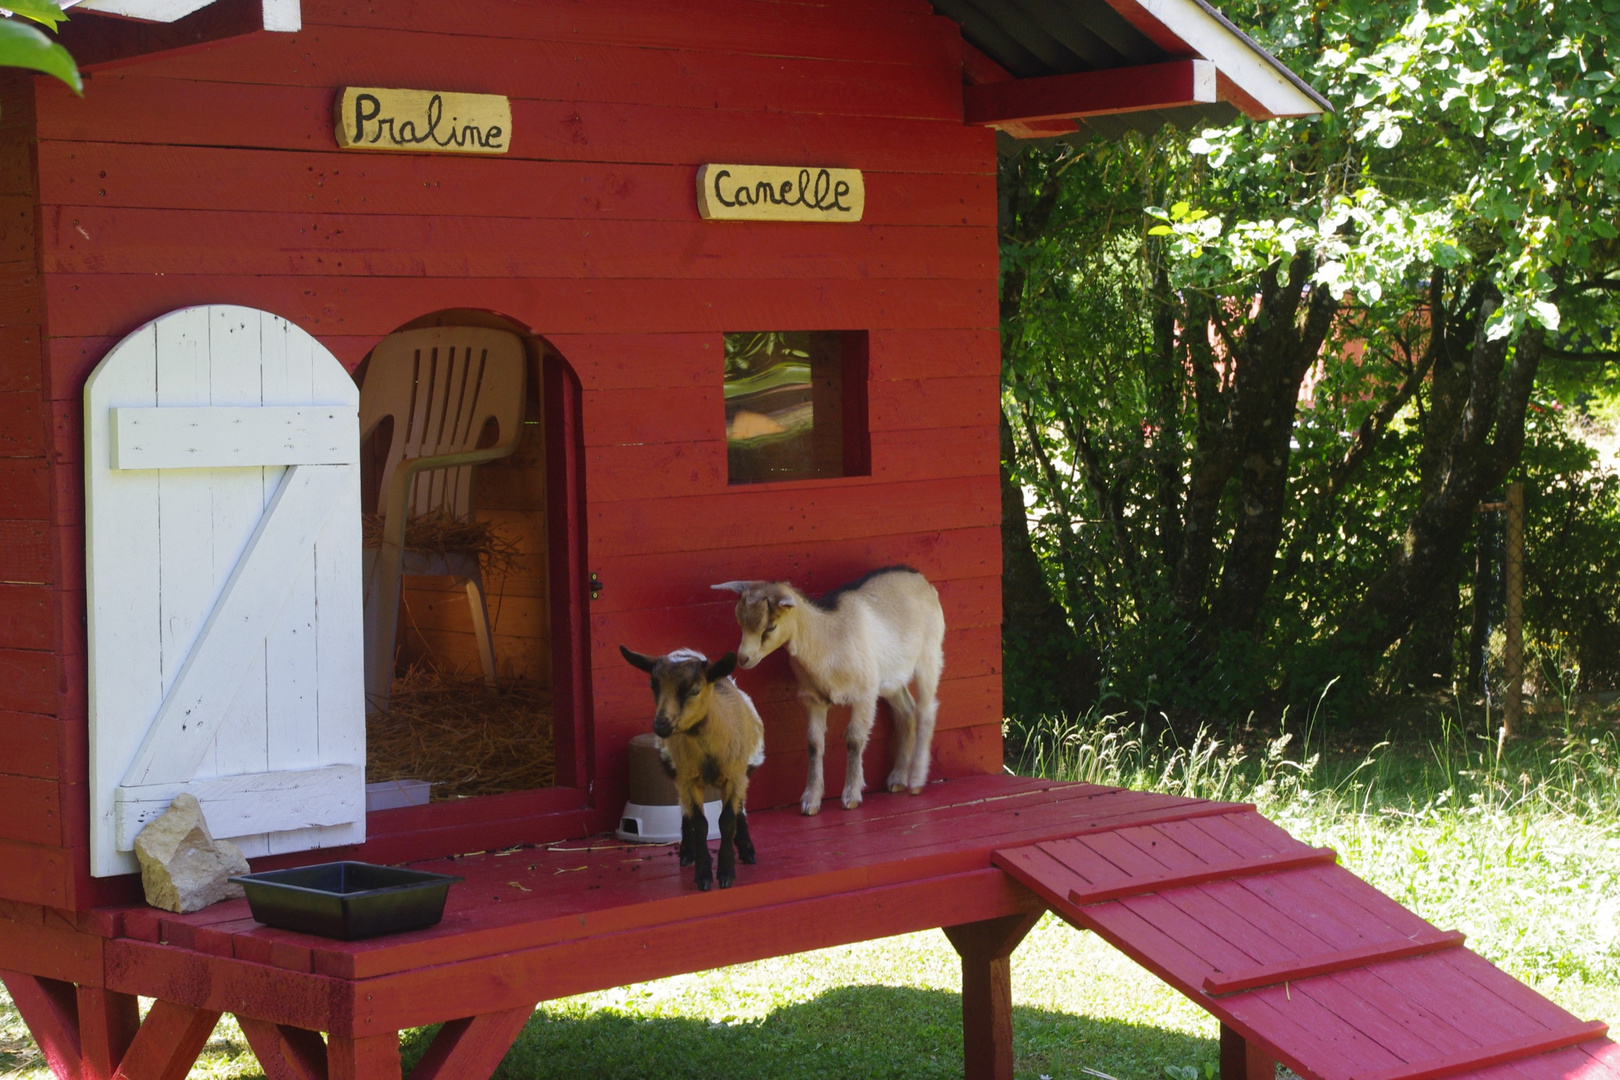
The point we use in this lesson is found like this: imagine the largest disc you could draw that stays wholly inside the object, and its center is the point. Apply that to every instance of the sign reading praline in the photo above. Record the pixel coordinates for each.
(780, 193)
(423, 121)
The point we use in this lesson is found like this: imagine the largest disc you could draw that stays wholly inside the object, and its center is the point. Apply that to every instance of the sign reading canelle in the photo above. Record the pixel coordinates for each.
(423, 121)
(780, 193)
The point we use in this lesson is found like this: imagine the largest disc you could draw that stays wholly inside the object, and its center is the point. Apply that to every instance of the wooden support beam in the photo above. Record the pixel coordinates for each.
(1327, 963)
(986, 950)
(101, 41)
(51, 1011)
(108, 1023)
(1494, 1054)
(471, 1047)
(1244, 1060)
(1090, 93)
(168, 1042)
(1152, 883)
(369, 1057)
(285, 1053)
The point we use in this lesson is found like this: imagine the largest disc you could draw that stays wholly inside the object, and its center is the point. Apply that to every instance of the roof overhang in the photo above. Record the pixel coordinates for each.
(1042, 68)
(127, 31)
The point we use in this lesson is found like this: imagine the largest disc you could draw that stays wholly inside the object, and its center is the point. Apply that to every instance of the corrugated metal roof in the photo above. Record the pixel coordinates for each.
(1035, 38)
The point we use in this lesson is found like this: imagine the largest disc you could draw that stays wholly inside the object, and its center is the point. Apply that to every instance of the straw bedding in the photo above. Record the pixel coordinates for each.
(462, 737)
(440, 534)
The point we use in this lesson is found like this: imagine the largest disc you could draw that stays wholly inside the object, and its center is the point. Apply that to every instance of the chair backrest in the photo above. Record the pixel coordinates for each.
(442, 385)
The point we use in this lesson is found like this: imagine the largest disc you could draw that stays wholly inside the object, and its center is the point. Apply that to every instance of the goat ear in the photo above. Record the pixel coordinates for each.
(738, 587)
(645, 663)
(721, 667)
(786, 601)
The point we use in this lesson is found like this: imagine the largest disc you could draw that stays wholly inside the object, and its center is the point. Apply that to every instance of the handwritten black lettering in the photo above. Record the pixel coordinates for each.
(417, 131)
(818, 192)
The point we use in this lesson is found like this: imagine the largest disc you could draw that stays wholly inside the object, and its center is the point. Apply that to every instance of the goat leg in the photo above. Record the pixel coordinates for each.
(861, 715)
(745, 844)
(699, 827)
(728, 850)
(814, 783)
(904, 712)
(689, 841)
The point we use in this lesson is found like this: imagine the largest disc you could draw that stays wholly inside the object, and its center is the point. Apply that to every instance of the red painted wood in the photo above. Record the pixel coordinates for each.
(30, 744)
(575, 70)
(987, 1044)
(1161, 882)
(682, 579)
(25, 489)
(853, 509)
(1087, 93)
(472, 1046)
(168, 1042)
(131, 108)
(1244, 1060)
(884, 32)
(505, 981)
(29, 810)
(285, 1053)
(210, 982)
(26, 617)
(368, 1057)
(47, 1006)
(49, 951)
(359, 305)
(496, 244)
(20, 370)
(108, 1023)
(265, 182)
(1492, 1054)
(22, 426)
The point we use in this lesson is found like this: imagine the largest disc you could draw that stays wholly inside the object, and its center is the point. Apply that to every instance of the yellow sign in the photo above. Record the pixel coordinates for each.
(423, 121)
(779, 193)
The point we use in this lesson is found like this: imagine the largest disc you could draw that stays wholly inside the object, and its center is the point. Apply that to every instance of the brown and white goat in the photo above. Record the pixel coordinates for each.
(868, 639)
(709, 734)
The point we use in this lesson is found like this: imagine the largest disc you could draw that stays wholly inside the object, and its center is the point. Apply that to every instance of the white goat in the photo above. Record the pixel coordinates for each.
(864, 640)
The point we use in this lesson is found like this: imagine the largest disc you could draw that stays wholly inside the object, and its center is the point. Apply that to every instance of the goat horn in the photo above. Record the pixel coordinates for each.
(733, 586)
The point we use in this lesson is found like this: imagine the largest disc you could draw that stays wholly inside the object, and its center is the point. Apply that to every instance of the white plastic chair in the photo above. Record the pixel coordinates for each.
(442, 386)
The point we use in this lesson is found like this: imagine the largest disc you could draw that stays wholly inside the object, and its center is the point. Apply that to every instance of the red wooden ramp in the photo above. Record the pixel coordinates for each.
(1303, 961)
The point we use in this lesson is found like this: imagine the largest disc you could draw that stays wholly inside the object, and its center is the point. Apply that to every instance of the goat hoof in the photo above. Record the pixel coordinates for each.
(852, 804)
(688, 860)
(726, 880)
(896, 788)
(809, 807)
(746, 857)
(703, 884)
(916, 791)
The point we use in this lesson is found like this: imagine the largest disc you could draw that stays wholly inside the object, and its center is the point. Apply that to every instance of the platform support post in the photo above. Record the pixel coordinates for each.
(986, 950)
(369, 1057)
(1242, 1059)
(108, 1022)
(50, 1010)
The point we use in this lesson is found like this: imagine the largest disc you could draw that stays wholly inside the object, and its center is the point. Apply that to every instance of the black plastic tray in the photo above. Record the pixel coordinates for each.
(347, 900)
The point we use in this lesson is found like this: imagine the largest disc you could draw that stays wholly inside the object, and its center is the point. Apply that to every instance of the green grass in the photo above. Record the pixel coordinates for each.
(1519, 849)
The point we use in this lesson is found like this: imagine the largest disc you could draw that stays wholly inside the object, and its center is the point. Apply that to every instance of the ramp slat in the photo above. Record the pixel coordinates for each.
(1299, 956)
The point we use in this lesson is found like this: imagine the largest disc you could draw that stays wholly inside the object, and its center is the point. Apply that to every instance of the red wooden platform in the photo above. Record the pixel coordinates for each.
(1301, 961)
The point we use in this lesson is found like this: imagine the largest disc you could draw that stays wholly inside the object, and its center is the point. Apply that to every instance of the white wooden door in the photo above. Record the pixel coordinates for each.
(222, 522)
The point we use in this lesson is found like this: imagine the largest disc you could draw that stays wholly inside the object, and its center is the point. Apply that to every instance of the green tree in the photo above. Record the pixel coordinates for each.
(23, 46)
(1261, 377)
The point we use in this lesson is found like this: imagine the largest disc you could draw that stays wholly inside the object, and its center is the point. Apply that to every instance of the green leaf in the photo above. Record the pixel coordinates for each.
(1160, 230)
(41, 11)
(24, 47)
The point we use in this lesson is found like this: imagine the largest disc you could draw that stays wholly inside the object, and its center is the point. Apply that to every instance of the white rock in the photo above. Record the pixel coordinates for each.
(183, 868)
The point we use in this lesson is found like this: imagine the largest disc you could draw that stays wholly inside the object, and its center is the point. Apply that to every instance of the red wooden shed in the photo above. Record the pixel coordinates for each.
(742, 258)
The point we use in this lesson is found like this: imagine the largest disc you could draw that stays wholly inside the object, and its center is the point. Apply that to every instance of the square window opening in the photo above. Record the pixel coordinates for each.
(796, 405)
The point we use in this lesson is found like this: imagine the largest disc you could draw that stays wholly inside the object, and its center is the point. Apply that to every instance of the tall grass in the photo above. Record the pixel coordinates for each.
(1517, 845)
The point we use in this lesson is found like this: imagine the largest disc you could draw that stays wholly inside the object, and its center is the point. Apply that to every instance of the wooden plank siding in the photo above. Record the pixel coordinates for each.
(212, 177)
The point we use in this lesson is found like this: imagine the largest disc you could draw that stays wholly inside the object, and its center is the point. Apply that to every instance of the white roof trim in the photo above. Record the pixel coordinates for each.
(280, 15)
(1250, 69)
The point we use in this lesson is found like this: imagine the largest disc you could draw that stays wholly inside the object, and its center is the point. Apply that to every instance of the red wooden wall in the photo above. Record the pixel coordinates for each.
(212, 177)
